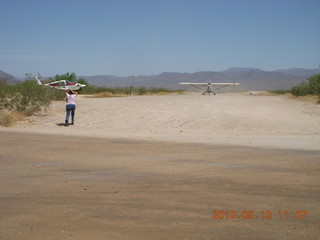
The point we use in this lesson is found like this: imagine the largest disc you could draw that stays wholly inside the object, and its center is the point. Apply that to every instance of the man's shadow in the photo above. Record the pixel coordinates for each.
(62, 124)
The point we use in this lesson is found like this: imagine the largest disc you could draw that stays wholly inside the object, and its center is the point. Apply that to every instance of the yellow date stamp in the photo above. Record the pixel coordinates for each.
(254, 214)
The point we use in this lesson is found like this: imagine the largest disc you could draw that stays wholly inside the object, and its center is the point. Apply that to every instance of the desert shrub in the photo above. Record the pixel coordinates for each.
(120, 90)
(158, 90)
(91, 89)
(312, 86)
(27, 97)
(6, 119)
(141, 90)
(301, 90)
(280, 91)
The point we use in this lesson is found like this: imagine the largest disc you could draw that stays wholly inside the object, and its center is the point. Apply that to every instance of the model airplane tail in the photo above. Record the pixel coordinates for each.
(37, 80)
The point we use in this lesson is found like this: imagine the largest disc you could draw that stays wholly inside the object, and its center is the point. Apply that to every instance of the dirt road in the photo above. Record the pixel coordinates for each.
(71, 187)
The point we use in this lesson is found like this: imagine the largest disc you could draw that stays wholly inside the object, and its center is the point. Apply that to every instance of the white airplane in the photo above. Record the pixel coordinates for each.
(210, 87)
(62, 84)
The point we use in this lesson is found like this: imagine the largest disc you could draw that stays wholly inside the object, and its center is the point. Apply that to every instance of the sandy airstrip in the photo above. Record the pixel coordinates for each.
(157, 167)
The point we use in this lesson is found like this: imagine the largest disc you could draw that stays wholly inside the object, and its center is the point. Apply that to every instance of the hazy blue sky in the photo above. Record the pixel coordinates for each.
(145, 37)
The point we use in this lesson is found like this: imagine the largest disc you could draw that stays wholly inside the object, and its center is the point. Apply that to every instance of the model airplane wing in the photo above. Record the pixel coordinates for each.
(210, 87)
(212, 84)
(197, 84)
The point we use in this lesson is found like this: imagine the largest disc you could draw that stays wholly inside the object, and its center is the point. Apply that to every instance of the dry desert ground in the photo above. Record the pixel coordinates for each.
(187, 166)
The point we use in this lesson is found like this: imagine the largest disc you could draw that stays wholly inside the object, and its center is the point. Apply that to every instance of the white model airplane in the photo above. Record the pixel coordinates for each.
(62, 84)
(210, 87)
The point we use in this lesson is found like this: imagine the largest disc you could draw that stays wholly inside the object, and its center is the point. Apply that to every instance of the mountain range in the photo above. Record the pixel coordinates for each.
(5, 77)
(249, 78)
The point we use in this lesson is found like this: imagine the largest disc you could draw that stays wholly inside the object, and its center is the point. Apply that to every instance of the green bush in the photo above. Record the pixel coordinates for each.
(312, 86)
(27, 97)
(90, 89)
(158, 90)
(301, 90)
(280, 91)
(141, 90)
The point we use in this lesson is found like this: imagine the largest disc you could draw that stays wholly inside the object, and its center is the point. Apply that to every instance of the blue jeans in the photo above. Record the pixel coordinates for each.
(70, 108)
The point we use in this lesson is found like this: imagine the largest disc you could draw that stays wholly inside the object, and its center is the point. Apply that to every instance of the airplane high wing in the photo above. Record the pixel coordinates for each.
(210, 87)
(62, 84)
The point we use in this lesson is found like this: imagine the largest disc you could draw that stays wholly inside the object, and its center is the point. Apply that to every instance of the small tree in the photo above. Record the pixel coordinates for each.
(28, 76)
(142, 90)
(83, 81)
(71, 77)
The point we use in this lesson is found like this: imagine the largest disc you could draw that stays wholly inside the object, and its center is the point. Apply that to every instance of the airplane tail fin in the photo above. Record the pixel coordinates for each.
(37, 80)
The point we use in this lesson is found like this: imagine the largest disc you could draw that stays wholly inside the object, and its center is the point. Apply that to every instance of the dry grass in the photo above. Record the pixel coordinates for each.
(106, 95)
(307, 98)
(264, 93)
(165, 93)
(8, 119)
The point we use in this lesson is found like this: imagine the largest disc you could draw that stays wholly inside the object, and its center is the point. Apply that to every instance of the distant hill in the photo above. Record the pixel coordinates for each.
(250, 79)
(7, 78)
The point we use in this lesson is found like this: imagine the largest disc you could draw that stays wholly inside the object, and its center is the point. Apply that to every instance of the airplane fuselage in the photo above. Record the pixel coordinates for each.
(65, 85)
(62, 84)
